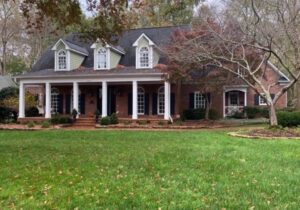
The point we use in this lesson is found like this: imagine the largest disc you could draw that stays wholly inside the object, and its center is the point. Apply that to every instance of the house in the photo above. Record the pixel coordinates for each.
(6, 81)
(124, 78)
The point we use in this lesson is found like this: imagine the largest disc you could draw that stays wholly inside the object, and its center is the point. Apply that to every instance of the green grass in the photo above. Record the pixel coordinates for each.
(146, 170)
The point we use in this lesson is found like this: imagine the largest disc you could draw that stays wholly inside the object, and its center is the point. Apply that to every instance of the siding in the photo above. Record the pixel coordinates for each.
(114, 59)
(76, 60)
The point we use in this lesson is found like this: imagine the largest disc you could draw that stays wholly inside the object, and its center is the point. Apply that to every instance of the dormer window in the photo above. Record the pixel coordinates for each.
(144, 57)
(62, 60)
(102, 58)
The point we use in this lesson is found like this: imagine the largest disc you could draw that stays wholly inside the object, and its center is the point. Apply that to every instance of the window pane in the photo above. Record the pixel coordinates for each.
(200, 102)
(102, 64)
(144, 57)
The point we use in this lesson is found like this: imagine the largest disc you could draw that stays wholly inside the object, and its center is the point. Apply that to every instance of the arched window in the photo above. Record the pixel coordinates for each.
(102, 58)
(54, 100)
(141, 101)
(161, 100)
(62, 60)
(144, 57)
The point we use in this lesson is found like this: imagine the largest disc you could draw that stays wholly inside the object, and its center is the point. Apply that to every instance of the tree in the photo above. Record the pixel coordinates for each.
(10, 27)
(166, 12)
(244, 45)
(16, 66)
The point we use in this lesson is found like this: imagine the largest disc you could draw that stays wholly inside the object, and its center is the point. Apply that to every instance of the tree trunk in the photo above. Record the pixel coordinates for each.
(272, 115)
(178, 99)
(297, 95)
(207, 112)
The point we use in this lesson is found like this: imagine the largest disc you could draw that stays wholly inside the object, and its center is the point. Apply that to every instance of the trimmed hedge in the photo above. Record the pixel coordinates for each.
(110, 120)
(288, 119)
(198, 114)
(32, 112)
(105, 121)
(8, 115)
(60, 120)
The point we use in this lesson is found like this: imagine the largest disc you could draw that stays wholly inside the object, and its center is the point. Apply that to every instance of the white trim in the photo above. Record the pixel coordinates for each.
(278, 71)
(259, 98)
(94, 46)
(22, 101)
(68, 60)
(108, 54)
(198, 92)
(134, 100)
(138, 60)
(135, 44)
(144, 95)
(158, 90)
(104, 99)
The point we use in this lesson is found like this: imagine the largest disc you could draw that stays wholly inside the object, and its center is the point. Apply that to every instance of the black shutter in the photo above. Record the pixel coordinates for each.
(147, 104)
(154, 104)
(82, 104)
(272, 96)
(60, 103)
(172, 103)
(208, 95)
(129, 103)
(191, 101)
(256, 99)
(68, 104)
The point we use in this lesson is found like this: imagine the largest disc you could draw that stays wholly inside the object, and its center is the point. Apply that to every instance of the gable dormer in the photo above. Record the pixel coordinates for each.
(68, 56)
(106, 56)
(146, 55)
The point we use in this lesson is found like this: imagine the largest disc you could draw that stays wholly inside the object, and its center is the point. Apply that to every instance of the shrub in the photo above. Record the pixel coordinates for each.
(30, 125)
(256, 112)
(46, 124)
(32, 112)
(5, 114)
(114, 119)
(237, 115)
(198, 114)
(105, 121)
(60, 120)
(288, 119)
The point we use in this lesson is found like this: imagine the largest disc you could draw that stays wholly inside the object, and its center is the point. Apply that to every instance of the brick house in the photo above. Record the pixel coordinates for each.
(125, 79)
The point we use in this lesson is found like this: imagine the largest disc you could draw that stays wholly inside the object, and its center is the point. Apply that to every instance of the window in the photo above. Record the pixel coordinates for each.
(199, 102)
(161, 100)
(261, 100)
(62, 60)
(54, 100)
(233, 99)
(144, 57)
(141, 101)
(102, 58)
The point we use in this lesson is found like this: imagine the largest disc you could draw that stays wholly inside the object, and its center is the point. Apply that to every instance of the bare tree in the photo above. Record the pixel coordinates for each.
(244, 44)
(9, 28)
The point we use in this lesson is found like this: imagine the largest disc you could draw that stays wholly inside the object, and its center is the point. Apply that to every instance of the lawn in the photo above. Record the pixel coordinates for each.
(146, 170)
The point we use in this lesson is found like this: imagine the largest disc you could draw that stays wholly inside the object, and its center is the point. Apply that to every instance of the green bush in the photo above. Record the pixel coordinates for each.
(30, 125)
(32, 112)
(5, 114)
(105, 121)
(198, 114)
(60, 120)
(114, 119)
(46, 124)
(256, 112)
(288, 119)
(237, 115)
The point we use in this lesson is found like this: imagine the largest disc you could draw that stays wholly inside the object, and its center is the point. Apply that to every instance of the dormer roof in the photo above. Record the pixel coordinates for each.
(72, 47)
(115, 48)
(151, 43)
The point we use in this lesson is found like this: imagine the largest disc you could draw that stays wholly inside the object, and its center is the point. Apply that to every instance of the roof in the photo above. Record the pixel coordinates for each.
(159, 35)
(6, 81)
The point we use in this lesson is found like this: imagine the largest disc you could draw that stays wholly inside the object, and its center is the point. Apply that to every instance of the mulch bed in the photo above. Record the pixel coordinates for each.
(268, 134)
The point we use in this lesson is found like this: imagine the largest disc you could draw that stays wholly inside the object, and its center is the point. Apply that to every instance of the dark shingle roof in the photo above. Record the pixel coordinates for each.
(160, 36)
(6, 81)
(77, 48)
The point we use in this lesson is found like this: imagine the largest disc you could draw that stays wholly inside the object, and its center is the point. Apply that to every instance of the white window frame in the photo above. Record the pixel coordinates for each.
(144, 57)
(261, 100)
(141, 101)
(97, 57)
(61, 56)
(150, 57)
(99, 54)
(161, 100)
(54, 100)
(199, 100)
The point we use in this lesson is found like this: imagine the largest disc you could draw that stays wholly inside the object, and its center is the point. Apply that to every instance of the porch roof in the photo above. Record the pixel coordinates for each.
(90, 72)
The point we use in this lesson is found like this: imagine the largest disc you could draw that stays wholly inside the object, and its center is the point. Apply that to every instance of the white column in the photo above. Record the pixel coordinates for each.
(245, 98)
(104, 99)
(22, 100)
(134, 100)
(167, 113)
(48, 101)
(75, 96)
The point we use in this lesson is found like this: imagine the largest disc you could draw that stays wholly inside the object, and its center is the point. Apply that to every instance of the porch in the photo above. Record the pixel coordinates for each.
(234, 100)
(129, 99)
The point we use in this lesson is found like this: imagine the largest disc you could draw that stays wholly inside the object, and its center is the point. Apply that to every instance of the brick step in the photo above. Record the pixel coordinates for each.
(85, 123)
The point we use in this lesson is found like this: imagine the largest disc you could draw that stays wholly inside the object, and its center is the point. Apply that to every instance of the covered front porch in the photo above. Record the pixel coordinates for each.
(234, 100)
(134, 99)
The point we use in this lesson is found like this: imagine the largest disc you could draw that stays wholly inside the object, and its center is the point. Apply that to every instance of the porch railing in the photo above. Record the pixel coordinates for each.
(231, 110)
